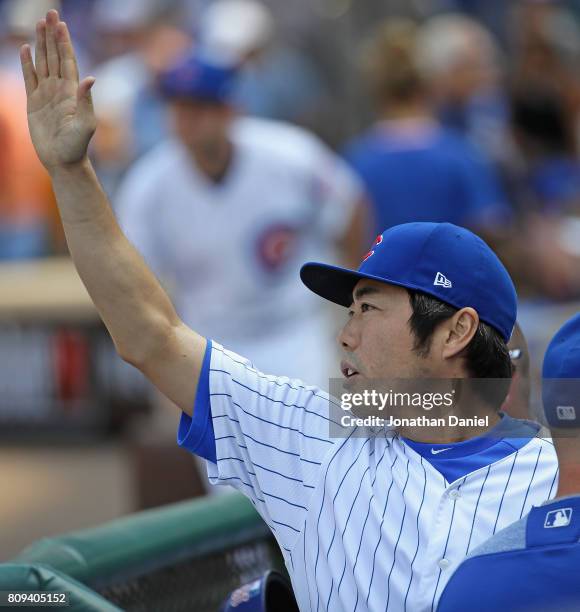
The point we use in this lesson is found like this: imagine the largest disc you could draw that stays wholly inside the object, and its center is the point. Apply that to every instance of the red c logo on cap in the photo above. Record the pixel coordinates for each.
(377, 241)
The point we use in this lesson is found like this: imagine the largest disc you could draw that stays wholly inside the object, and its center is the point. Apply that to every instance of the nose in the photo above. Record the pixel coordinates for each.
(347, 337)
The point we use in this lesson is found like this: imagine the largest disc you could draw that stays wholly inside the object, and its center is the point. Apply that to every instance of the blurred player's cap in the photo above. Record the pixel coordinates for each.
(230, 29)
(561, 374)
(441, 259)
(196, 78)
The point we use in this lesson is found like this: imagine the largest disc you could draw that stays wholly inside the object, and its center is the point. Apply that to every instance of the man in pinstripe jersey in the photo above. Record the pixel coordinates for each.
(364, 523)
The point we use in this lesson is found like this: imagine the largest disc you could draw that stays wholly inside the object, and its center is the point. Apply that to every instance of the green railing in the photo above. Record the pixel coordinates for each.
(187, 555)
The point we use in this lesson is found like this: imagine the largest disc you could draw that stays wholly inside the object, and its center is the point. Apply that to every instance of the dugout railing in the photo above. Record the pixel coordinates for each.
(187, 556)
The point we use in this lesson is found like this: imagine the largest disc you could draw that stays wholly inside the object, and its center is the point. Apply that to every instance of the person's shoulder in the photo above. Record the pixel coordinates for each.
(316, 405)
(512, 537)
(259, 129)
(276, 140)
(154, 165)
(515, 536)
(537, 438)
(454, 144)
(147, 179)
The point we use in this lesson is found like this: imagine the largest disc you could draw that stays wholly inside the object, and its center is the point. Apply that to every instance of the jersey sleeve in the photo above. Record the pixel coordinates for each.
(267, 436)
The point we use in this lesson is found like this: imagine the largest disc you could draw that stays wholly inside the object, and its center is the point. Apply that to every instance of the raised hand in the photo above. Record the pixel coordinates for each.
(60, 112)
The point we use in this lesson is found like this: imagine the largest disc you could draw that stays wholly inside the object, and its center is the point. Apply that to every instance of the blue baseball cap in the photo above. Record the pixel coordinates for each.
(441, 259)
(561, 374)
(197, 78)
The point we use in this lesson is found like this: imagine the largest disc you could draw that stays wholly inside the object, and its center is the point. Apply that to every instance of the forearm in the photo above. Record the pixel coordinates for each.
(128, 297)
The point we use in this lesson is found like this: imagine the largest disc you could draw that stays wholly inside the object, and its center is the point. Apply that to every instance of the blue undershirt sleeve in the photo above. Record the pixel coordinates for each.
(196, 433)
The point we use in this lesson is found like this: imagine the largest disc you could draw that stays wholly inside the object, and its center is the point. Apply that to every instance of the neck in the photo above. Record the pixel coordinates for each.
(477, 424)
(568, 451)
(569, 480)
(474, 416)
(213, 160)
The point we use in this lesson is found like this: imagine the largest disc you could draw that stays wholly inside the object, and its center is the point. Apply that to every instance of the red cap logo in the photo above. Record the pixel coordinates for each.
(377, 241)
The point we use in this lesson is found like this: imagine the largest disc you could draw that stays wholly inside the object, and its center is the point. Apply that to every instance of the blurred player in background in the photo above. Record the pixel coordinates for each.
(462, 65)
(539, 553)
(227, 210)
(408, 146)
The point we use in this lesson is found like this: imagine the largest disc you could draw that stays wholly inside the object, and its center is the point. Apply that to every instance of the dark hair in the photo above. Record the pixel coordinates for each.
(487, 354)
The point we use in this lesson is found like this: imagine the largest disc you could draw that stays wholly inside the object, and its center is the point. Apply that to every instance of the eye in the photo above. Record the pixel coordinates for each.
(364, 307)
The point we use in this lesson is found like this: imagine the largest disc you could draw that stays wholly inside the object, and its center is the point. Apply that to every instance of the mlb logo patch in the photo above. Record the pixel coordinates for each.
(566, 413)
(558, 518)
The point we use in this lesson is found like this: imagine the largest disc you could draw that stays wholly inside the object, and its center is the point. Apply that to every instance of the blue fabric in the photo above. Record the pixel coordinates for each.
(554, 523)
(543, 576)
(440, 178)
(456, 460)
(444, 260)
(561, 374)
(556, 182)
(196, 434)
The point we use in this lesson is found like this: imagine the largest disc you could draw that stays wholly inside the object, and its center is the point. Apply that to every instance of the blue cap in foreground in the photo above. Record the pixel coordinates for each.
(561, 374)
(196, 78)
(441, 259)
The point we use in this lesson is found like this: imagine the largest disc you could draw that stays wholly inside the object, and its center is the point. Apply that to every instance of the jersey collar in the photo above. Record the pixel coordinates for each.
(458, 459)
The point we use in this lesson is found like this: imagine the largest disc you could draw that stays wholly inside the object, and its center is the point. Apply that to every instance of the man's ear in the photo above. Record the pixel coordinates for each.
(459, 331)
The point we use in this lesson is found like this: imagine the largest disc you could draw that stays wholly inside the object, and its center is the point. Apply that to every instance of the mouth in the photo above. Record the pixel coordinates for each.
(347, 370)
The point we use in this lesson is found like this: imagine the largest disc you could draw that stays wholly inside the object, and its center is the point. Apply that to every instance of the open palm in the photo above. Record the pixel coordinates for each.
(60, 113)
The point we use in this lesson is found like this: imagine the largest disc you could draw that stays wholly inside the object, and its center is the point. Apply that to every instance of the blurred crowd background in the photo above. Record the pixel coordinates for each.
(465, 111)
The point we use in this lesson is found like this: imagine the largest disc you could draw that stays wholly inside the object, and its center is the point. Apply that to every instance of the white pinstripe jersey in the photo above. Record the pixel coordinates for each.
(363, 523)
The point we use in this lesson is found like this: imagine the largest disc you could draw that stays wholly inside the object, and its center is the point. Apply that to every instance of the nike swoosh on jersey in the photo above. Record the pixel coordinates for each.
(440, 450)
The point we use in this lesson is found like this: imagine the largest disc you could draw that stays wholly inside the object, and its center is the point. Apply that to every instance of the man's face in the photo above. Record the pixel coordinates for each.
(201, 125)
(377, 341)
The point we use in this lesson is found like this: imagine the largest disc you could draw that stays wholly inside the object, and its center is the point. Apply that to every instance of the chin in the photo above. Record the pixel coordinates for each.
(355, 383)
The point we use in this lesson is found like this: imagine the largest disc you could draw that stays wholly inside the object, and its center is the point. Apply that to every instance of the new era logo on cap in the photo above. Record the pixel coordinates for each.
(558, 518)
(442, 281)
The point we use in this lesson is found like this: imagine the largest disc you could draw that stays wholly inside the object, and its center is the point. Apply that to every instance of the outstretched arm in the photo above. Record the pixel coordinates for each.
(137, 312)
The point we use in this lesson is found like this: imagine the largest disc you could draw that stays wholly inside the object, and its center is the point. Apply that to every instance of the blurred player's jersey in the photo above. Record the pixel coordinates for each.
(364, 523)
(540, 554)
(230, 253)
(416, 170)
